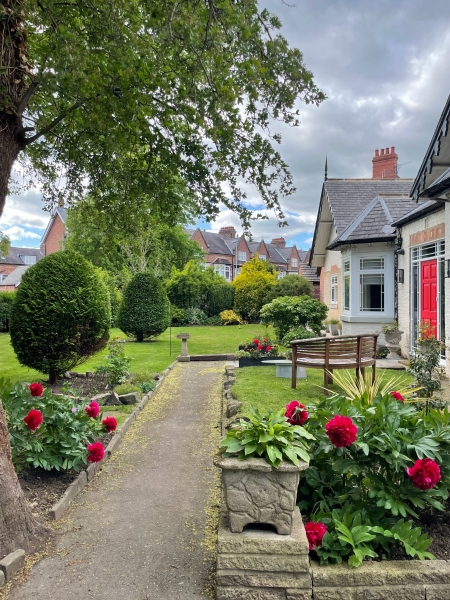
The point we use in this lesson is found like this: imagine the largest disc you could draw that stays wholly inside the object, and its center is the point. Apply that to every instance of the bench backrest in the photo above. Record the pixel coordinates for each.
(349, 346)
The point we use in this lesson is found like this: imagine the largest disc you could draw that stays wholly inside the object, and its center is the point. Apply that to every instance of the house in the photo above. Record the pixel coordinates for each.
(226, 252)
(55, 233)
(355, 244)
(14, 265)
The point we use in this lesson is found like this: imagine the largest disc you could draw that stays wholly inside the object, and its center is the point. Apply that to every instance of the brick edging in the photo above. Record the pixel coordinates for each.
(58, 509)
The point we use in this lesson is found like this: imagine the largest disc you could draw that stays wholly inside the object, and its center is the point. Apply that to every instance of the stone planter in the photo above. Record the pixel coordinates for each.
(256, 492)
(393, 343)
(254, 362)
(334, 329)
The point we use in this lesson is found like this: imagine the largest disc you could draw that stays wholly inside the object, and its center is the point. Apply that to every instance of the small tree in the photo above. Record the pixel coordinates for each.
(60, 316)
(291, 285)
(6, 302)
(252, 286)
(145, 308)
(288, 312)
(185, 286)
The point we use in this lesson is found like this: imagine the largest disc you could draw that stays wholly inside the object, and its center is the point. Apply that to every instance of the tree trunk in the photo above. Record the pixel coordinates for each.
(12, 141)
(52, 377)
(17, 525)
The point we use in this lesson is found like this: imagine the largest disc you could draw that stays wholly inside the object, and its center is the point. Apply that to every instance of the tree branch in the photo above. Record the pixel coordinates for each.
(23, 102)
(53, 124)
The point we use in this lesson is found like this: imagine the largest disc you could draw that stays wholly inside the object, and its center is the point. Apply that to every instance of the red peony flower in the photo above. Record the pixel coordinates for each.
(315, 533)
(110, 423)
(34, 419)
(269, 348)
(92, 409)
(256, 342)
(296, 413)
(259, 347)
(36, 389)
(341, 431)
(425, 473)
(96, 452)
(398, 396)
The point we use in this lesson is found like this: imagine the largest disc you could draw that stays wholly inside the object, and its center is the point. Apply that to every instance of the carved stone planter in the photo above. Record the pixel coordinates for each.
(256, 492)
(393, 343)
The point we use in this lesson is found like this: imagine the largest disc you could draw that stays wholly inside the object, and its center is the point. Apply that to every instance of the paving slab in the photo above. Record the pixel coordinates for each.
(143, 528)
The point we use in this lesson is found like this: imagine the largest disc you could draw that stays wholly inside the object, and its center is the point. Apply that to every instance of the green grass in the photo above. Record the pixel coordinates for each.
(151, 356)
(258, 386)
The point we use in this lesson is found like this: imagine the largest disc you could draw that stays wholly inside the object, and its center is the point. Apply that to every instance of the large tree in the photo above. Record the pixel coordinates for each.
(120, 99)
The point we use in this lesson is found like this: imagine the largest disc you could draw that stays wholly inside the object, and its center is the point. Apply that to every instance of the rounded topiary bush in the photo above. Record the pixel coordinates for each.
(145, 308)
(60, 316)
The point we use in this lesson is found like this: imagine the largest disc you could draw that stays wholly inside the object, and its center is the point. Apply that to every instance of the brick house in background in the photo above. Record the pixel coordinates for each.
(55, 233)
(14, 265)
(226, 252)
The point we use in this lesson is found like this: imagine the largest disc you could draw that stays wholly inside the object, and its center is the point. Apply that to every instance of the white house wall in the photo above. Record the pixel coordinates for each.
(332, 266)
(447, 288)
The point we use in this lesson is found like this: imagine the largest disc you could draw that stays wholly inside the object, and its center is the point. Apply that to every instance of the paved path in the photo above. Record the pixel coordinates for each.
(143, 529)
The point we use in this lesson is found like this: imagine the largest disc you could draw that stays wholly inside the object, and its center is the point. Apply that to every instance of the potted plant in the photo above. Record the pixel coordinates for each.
(392, 335)
(261, 465)
(254, 350)
(335, 326)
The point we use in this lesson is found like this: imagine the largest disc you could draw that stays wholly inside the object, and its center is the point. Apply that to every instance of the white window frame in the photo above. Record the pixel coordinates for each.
(262, 256)
(346, 272)
(28, 259)
(374, 270)
(294, 262)
(334, 289)
(224, 271)
(281, 274)
(3, 276)
(242, 255)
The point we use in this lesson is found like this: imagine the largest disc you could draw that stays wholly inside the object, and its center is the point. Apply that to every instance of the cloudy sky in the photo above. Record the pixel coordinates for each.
(384, 67)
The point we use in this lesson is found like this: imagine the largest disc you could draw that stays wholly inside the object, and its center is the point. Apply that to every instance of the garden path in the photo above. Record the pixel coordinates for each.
(144, 528)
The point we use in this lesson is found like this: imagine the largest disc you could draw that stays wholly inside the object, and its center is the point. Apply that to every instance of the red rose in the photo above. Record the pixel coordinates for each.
(110, 423)
(341, 431)
(398, 396)
(34, 419)
(296, 413)
(425, 473)
(96, 452)
(315, 533)
(259, 347)
(269, 348)
(92, 409)
(36, 389)
(256, 342)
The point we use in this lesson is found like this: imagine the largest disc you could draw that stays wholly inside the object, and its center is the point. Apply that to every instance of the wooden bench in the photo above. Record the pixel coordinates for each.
(337, 352)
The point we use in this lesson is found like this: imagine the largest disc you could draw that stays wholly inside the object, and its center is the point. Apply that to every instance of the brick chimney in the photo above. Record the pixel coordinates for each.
(279, 242)
(385, 164)
(228, 232)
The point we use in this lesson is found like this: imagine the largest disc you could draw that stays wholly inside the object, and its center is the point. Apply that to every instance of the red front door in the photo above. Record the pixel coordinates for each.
(428, 294)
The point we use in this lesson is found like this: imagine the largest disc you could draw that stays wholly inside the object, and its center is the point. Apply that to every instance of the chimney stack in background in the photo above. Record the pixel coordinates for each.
(384, 164)
(229, 232)
(279, 242)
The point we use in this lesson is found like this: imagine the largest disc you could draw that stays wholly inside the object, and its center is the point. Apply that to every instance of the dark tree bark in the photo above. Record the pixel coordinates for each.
(12, 141)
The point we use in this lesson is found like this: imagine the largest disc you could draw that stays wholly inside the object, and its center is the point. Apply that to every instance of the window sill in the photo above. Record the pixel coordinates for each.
(370, 318)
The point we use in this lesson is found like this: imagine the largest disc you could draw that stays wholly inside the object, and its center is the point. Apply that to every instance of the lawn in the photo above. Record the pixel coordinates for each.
(258, 386)
(152, 356)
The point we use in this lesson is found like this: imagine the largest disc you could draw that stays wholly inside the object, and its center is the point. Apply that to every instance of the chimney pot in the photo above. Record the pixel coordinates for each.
(377, 152)
(392, 149)
(387, 150)
(382, 151)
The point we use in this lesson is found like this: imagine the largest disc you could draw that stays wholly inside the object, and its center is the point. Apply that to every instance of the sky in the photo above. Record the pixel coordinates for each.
(384, 68)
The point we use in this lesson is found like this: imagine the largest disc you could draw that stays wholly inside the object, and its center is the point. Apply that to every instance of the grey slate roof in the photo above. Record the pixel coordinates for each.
(419, 211)
(13, 257)
(348, 197)
(216, 244)
(309, 273)
(15, 277)
(275, 255)
(375, 221)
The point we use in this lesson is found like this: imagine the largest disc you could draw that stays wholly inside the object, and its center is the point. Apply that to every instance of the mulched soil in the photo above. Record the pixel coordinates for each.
(84, 387)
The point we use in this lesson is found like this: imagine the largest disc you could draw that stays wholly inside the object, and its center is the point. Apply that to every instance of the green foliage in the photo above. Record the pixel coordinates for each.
(267, 436)
(185, 286)
(252, 286)
(291, 285)
(288, 312)
(423, 366)
(127, 388)
(5, 243)
(115, 295)
(60, 442)
(117, 365)
(142, 376)
(214, 320)
(145, 309)
(178, 315)
(6, 302)
(60, 316)
(229, 317)
(217, 294)
(194, 316)
(297, 333)
(259, 346)
(148, 386)
(361, 491)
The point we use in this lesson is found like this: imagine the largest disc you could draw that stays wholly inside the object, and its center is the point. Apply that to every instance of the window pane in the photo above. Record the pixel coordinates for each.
(415, 253)
(415, 301)
(242, 255)
(262, 257)
(347, 292)
(347, 265)
(372, 292)
(366, 264)
(429, 250)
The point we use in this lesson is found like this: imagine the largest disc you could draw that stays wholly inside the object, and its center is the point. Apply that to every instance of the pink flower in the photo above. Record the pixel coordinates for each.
(315, 533)
(398, 396)
(36, 389)
(341, 431)
(92, 409)
(296, 413)
(96, 452)
(425, 473)
(110, 423)
(34, 419)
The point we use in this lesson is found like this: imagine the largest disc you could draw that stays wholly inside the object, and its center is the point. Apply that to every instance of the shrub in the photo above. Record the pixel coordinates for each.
(6, 301)
(291, 285)
(214, 320)
(259, 346)
(117, 365)
(60, 442)
(194, 316)
(60, 316)
(251, 288)
(217, 294)
(127, 388)
(148, 386)
(184, 287)
(178, 315)
(145, 308)
(229, 317)
(423, 366)
(297, 333)
(288, 312)
(376, 460)
(141, 377)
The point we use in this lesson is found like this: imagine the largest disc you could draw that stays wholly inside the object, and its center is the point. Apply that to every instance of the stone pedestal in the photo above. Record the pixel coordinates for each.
(256, 492)
(184, 347)
(262, 565)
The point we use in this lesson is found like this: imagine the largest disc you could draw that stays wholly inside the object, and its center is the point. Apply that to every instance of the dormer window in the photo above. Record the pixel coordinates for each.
(28, 259)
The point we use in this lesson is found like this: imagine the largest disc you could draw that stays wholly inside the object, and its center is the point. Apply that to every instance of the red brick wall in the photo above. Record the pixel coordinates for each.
(55, 237)
(7, 288)
(427, 235)
(384, 164)
(7, 269)
(197, 237)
